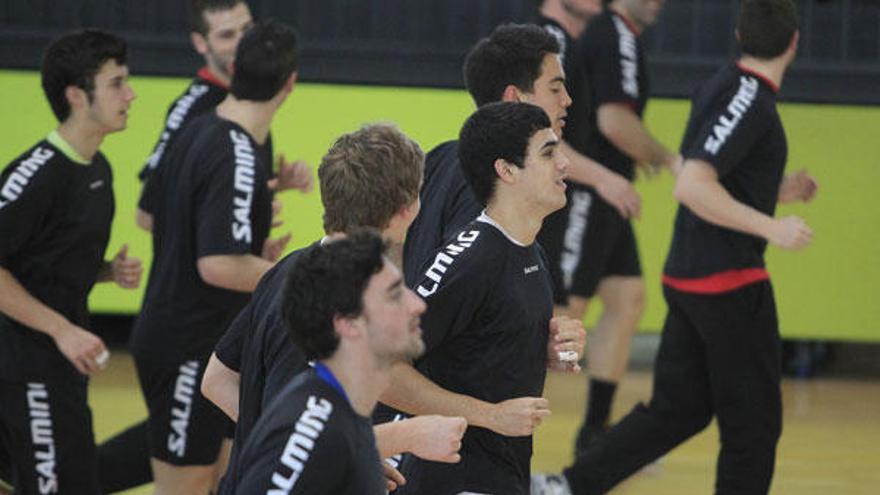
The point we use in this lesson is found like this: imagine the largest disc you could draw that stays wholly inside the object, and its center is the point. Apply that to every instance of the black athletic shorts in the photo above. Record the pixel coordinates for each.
(184, 428)
(586, 241)
(47, 428)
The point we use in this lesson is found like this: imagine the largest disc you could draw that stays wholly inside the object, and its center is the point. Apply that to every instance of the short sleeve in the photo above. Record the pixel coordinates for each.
(453, 287)
(606, 63)
(728, 133)
(229, 348)
(225, 202)
(26, 198)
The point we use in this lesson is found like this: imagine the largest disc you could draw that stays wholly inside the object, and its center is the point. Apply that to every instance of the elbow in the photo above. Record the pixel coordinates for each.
(211, 271)
(684, 192)
(208, 387)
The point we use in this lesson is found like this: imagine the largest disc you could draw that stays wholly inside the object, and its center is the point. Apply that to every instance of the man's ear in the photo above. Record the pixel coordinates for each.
(347, 327)
(511, 94)
(199, 42)
(504, 171)
(76, 97)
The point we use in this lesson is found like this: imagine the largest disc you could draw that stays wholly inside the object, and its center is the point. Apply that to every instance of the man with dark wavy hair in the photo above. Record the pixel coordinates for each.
(56, 209)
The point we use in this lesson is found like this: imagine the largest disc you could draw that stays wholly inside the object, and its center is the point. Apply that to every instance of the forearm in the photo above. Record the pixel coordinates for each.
(220, 385)
(413, 393)
(708, 199)
(233, 272)
(392, 438)
(144, 220)
(18, 304)
(105, 273)
(623, 128)
(583, 169)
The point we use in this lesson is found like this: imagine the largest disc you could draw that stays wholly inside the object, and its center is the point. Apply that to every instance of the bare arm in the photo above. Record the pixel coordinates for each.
(413, 393)
(620, 125)
(613, 188)
(144, 220)
(698, 188)
(220, 385)
(434, 438)
(79, 346)
(239, 272)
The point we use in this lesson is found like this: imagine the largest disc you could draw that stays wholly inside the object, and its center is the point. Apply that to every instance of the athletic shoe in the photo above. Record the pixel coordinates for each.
(549, 484)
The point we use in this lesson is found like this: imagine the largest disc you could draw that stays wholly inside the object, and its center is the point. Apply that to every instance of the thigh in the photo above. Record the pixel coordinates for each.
(185, 428)
(49, 436)
(591, 246)
(623, 258)
(743, 352)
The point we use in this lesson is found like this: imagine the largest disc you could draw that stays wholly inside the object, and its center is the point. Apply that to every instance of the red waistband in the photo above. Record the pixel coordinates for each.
(717, 283)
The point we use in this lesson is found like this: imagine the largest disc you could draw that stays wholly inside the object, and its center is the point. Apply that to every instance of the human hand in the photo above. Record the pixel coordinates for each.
(518, 417)
(799, 186)
(567, 336)
(272, 248)
(85, 350)
(620, 194)
(437, 438)
(393, 477)
(791, 233)
(126, 271)
(293, 175)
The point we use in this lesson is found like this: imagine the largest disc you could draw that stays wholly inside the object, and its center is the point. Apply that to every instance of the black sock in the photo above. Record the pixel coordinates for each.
(599, 403)
(124, 460)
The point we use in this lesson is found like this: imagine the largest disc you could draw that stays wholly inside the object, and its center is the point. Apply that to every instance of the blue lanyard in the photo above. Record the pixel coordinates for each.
(325, 374)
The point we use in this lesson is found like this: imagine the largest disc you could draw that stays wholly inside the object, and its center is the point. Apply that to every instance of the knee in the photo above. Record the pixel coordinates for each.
(627, 301)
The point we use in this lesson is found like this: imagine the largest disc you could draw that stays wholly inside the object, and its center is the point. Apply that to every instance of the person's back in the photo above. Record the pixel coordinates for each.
(447, 205)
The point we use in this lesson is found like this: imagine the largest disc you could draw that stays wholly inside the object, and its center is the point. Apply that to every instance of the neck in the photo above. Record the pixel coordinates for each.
(773, 69)
(361, 377)
(572, 24)
(255, 117)
(218, 74)
(516, 219)
(83, 138)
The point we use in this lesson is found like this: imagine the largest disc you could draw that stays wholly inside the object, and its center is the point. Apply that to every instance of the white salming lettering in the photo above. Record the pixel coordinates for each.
(629, 64)
(244, 186)
(21, 176)
(574, 235)
(444, 259)
(184, 391)
(42, 438)
(742, 101)
(300, 444)
(175, 120)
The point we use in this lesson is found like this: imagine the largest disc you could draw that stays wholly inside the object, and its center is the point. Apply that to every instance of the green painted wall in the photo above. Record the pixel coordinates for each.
(827, 291)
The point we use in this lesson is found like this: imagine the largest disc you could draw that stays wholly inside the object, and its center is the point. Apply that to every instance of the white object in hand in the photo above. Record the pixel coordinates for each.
(101, 359)
(568, 356)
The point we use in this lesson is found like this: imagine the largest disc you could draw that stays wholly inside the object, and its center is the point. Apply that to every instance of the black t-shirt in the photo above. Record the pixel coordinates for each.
(202, 96)
(257, 345)
(485, 329)
(614, 64)
(214, 201)
(55, 217)
(309, 441)
(448, 204)
(581, 110)
(734, 126)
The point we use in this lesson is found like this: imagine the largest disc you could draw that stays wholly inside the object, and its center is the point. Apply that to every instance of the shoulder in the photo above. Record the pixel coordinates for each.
(467, 257)
(38, 165)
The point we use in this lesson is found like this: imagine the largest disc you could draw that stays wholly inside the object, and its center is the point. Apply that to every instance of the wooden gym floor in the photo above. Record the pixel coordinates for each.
(830, 444)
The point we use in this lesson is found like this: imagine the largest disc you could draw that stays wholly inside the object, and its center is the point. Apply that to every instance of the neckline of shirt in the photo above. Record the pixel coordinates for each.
(55, 139)
(206, 74)
(766, 80)
(485, 218)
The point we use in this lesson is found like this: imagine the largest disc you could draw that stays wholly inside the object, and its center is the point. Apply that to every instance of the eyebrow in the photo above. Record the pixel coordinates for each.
(397, 284)
(558, 79)
(549, 144)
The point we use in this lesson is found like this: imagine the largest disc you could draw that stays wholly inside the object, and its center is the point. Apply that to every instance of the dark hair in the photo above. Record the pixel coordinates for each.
(497, 130)
(327, 282)
(198, 8)
(368, 176)
(264, 60)
(513, 54)
(73, 60)
(766, 27)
